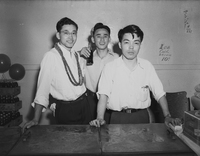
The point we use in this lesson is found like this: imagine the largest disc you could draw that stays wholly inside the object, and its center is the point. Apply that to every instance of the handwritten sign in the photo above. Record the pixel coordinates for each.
(187, 21)
(165, 51)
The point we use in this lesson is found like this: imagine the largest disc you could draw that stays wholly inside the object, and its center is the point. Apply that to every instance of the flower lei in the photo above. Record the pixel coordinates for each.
(68, 70)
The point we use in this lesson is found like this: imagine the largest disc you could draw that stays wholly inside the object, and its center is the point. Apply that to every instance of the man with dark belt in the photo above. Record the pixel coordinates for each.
(100, 37)
(61, 76)
(125, 85)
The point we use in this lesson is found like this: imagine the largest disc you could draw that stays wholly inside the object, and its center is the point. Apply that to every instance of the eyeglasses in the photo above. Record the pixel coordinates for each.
(66, 33)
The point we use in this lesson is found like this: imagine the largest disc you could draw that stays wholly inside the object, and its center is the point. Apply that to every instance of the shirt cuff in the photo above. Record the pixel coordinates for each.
(44, 108)
(102, 92)
(161, 95)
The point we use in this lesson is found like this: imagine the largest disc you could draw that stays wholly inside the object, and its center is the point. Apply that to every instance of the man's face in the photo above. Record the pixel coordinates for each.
(101, 38)
(130, 46)
(68, 36)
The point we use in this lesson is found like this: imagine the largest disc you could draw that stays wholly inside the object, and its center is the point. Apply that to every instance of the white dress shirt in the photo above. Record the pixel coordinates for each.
(54, 80)
(93, 72)
(129, 89)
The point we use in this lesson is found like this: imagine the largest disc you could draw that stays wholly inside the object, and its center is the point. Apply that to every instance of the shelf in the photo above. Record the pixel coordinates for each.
(11, 106)
(15, 122)
(10, 91)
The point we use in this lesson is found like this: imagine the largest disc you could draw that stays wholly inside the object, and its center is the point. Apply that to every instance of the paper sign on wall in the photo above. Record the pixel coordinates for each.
(187, 15)
(187, 21)
(165, 51)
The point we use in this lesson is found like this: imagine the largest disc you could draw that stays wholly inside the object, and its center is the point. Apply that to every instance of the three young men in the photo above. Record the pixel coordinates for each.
(123, 87)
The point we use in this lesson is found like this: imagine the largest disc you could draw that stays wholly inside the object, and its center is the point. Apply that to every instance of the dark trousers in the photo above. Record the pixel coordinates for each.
(137, 117)
(92, 99)
(93, 102)
(73, 112)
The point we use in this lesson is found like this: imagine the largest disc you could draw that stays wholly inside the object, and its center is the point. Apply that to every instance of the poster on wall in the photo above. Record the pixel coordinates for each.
(165, 51)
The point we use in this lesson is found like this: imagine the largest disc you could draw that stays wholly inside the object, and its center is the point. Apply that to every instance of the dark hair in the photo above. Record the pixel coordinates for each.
(133, 29)
(65, 21)
(101, 26)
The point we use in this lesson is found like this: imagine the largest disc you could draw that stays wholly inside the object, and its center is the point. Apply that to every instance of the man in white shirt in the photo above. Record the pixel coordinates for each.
(125, 85)
(100, 37)
(61, 76)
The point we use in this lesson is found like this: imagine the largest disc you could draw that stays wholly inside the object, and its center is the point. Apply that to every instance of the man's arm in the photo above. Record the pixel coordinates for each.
(168, 119)
(37, 115)
(101, 108)
(164, 105)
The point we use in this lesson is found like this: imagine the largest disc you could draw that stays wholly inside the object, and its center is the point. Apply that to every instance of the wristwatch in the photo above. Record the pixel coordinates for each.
(168, 116)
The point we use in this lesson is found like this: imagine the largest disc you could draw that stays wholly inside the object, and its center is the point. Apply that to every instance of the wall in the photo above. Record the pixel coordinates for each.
(171, 40)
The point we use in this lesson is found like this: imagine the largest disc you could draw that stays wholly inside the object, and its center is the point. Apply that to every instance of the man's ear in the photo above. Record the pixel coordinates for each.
(119, 44)
(92, 39)
(58, 35)
(109, 39)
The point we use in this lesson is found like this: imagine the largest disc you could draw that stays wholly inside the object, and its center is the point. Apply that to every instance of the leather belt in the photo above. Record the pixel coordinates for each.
(78, 99)
(130, 110)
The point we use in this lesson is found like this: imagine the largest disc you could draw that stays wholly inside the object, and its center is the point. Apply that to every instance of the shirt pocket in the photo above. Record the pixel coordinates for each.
(143, 94)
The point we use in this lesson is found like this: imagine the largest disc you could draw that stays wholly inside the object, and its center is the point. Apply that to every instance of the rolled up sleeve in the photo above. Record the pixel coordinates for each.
(44, 81)
(156, 84)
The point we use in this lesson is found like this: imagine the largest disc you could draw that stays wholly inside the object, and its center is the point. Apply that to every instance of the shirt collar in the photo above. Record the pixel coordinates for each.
(139, 62)
(65, 51)
(110, 52)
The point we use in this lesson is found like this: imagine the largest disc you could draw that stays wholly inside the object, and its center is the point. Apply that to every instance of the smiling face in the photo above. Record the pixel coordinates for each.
(130, 46)
(67, 36)
(101, 38)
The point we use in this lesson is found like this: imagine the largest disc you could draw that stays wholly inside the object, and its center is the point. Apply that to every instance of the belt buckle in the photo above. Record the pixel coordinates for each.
(128, 111)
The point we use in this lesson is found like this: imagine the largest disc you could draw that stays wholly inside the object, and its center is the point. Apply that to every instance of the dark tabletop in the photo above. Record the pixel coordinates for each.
(137, 139)
(58, 140)
(8, 138)
(141, 139)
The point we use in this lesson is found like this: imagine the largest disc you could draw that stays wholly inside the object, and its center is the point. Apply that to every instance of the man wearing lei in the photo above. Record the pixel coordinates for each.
(61, 77)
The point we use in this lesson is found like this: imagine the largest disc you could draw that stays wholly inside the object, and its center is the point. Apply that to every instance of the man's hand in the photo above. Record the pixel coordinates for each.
(97, 122)
(29, 125)
(173, 121)
(85, 52)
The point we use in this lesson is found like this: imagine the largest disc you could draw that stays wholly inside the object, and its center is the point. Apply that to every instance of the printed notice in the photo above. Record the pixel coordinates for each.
(165, 51)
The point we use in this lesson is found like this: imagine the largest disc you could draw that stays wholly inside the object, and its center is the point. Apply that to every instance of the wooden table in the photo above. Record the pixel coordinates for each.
(141, 139)
(138, 139)
(58, 140)
(8, 139)
(195, 147)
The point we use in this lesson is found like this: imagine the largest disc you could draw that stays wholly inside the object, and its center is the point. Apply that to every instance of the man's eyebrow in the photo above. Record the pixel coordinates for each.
(125, 39)
(103, 34)
(137, 40)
